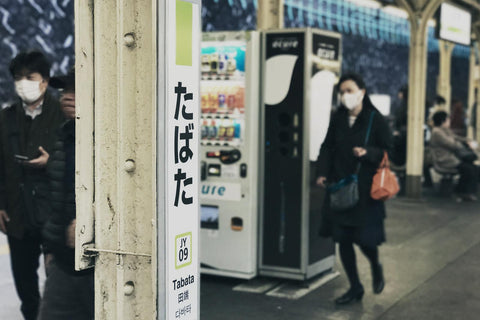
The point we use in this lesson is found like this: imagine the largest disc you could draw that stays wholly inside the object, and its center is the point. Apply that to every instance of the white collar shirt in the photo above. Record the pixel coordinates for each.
(35, 112)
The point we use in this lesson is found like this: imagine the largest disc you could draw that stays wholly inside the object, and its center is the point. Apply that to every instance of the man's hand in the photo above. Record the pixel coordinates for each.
(321, 181)
(39, 162)
(3, 221)
(70, 234)
(67, 103)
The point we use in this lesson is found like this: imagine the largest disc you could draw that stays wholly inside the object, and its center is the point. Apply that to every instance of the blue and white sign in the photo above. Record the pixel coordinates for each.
(221, 191)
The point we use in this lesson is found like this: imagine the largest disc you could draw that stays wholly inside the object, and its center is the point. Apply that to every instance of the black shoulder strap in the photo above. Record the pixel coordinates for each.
(369, 129)
(367, 136)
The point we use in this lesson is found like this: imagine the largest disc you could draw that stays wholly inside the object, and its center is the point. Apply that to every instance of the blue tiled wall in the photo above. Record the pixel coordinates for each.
(221, 15)
(375, 44)
(45, 25)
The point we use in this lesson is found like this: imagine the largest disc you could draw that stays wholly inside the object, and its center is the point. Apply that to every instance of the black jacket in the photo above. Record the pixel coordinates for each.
(31, 134)
(336, 159)
(61, 171)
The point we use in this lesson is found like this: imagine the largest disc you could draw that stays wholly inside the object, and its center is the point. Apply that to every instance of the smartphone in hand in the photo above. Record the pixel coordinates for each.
(20, 158)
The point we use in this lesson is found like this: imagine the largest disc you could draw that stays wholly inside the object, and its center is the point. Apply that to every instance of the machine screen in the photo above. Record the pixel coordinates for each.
(209, 217)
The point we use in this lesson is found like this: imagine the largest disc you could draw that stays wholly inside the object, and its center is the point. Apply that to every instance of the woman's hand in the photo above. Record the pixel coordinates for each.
(473, 145)
(321, 181)
(359, 152)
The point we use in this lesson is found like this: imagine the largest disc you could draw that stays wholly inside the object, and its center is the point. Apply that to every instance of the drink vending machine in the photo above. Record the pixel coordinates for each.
(300, 69)
(229, 88)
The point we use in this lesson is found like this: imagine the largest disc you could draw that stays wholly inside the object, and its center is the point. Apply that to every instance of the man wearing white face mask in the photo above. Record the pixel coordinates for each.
(27, 133)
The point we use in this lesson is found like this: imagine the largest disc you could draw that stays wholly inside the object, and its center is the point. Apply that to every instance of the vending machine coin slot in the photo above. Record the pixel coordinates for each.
(203, 171)
(243, 170)
(236, 224)
(214, 170)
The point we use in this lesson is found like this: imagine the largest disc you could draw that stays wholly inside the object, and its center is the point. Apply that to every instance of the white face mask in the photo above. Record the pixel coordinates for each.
(28, 90)
(352, 100)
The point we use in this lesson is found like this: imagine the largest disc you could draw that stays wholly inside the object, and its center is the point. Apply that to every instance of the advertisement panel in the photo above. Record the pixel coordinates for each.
(454, 24)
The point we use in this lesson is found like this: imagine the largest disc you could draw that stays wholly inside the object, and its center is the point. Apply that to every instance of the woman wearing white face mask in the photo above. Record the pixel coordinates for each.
(344, 152)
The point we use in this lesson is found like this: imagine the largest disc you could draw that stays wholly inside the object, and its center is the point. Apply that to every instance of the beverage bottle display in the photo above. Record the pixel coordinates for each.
(222, 93)
(231, 63)
(230, 130)
(240, 99)
(205, 68)
(212, 130)
(222, 106)
(222, 65)
(214, 63)
(222, 131)
(238, 127)
(204, 101)
(205, 130)
(213, 100)
(231, 100)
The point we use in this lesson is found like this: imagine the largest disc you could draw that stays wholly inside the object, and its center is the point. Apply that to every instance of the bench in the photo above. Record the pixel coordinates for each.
(444, 180)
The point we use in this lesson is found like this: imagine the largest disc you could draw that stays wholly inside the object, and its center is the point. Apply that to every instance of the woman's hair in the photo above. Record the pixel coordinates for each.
(354, 77)
(439, 100)
(439, 118)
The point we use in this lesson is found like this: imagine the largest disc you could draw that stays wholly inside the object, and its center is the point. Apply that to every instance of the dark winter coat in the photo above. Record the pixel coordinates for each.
(61, 171)
(336, 160)
(31, 134)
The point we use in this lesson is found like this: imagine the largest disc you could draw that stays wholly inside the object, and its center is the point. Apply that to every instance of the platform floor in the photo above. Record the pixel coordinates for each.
(431, 262)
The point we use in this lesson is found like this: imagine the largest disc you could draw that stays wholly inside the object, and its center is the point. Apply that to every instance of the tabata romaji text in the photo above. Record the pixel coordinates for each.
(183, 135)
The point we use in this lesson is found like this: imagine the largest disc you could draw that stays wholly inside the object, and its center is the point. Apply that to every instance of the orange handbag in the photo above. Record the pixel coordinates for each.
(385, 183)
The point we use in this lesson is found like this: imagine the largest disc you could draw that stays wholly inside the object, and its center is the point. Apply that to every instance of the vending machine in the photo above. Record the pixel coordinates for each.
(229, 87)
(300, 69)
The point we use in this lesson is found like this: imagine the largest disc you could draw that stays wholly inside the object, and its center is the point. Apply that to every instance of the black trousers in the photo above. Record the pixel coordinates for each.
(468, 178)
(67, 295)
(24, 255)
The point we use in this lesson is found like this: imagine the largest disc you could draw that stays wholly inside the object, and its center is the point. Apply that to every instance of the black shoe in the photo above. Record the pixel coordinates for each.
(378, 281)
(350, 296)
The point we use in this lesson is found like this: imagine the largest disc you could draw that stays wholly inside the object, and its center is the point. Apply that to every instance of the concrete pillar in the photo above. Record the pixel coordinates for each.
(417, 78)
(270, 14)
(416, 105)
(121, 126)
(477, 81)
(444, 87)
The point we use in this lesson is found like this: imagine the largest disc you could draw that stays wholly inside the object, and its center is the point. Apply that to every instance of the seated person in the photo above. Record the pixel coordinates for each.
(445, 145)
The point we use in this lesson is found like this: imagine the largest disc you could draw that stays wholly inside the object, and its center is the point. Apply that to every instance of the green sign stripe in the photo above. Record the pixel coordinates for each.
(184, 15)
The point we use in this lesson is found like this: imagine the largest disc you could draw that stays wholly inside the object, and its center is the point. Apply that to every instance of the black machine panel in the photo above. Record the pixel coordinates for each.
(283, 160)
